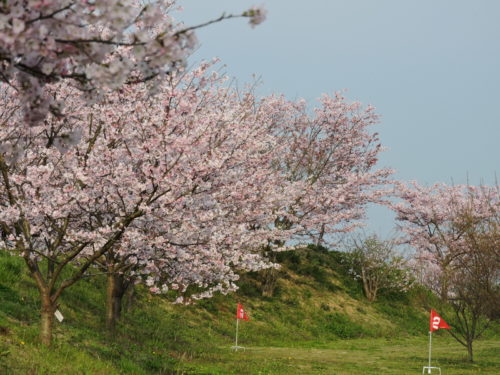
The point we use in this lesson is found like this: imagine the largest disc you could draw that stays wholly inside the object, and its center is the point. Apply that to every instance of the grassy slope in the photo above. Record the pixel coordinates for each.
(318, 322)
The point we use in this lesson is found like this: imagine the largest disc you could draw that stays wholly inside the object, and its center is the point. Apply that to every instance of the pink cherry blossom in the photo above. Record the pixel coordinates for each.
(430, 218)
(97, 45)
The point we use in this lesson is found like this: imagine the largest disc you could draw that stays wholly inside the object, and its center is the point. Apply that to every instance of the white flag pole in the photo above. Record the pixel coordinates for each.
(430, 351)
(236, 347)
(236, 343)
(429, 367)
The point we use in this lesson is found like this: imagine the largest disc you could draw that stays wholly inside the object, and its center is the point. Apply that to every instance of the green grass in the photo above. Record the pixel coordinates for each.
(351, 357)
(317, 323)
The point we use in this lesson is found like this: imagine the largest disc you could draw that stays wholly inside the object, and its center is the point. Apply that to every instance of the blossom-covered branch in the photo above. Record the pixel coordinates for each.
(99, 45)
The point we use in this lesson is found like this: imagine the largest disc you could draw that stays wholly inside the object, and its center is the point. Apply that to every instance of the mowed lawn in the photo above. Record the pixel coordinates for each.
(350, 357)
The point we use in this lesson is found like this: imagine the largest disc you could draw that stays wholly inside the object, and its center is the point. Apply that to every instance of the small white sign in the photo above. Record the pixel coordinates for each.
(59, 316)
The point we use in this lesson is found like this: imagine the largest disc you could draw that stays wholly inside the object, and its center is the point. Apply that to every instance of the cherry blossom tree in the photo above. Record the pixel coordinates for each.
(428, 217)
(98, 45)
(232, 197)
(332, 155)
(330, 158)
(181, 185)
(455, 231)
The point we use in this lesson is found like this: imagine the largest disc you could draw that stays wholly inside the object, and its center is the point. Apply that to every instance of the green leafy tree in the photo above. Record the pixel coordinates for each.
(376, 263)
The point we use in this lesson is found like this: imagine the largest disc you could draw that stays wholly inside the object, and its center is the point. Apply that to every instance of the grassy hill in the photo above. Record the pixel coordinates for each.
(317, 322)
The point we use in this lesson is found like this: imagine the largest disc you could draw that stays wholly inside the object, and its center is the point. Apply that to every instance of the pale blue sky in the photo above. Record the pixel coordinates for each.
(430, 67)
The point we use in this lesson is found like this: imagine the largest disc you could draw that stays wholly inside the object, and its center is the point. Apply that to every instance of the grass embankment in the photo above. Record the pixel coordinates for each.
(317, 323)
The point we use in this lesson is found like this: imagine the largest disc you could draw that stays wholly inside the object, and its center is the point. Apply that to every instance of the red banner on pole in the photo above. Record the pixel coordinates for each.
(241, 313)
(437, 322)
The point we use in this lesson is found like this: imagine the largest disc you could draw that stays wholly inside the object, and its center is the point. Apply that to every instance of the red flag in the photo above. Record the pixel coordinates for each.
(437, 322)
(241, 313)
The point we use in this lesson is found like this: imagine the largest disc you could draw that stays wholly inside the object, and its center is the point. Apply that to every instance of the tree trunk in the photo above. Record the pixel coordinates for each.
(371, 294)
(269, 277)
(47, 318)
(115, 291)
(444, 289)
(369, 286)
(470, 356)
(130, 296)
(444, 284)
(110, 302)
(321, 235)
(269, 282)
